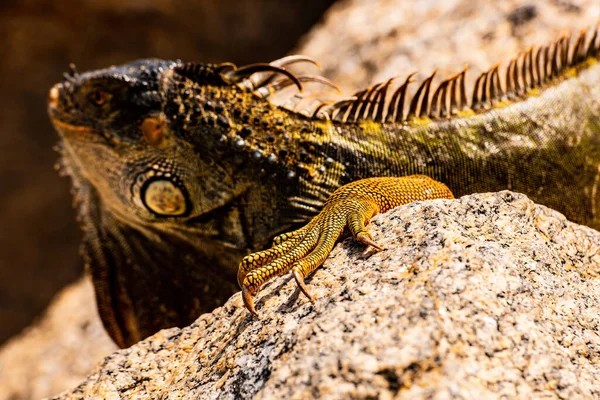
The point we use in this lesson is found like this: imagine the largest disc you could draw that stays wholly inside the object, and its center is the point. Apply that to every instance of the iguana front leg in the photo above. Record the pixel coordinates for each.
(349, 210)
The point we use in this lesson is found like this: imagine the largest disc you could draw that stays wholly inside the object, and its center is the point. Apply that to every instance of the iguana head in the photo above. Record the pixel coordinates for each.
(168, 141)
(118, 138)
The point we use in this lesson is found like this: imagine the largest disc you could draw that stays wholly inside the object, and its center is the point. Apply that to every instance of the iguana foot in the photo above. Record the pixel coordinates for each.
(347, 211)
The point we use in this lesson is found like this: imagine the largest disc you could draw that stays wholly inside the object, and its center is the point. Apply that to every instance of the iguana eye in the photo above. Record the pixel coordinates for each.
(99, 97)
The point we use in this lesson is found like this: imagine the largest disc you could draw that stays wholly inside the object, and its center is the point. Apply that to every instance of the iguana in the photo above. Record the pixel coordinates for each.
(181, 170)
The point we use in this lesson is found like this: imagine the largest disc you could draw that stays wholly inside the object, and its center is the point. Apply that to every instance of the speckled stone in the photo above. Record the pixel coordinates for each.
(487, 296)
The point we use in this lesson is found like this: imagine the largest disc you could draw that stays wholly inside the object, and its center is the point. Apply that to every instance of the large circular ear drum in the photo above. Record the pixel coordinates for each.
(163, 197)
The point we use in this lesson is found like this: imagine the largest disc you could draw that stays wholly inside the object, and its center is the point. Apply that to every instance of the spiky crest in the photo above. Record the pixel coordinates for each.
(529, 70)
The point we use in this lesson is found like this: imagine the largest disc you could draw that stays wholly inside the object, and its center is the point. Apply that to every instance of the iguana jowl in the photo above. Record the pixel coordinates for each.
(181, 169)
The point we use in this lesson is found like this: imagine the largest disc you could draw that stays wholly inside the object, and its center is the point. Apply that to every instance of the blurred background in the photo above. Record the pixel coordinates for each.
(39, 237)
(357, 42)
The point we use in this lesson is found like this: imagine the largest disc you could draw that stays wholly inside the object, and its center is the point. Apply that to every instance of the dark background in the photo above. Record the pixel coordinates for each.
(39, 237)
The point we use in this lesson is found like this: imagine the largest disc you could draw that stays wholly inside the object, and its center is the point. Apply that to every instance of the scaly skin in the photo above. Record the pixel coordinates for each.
(180, 171)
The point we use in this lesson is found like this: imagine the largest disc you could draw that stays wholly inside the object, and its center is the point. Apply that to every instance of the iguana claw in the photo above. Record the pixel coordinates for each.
(248, 301)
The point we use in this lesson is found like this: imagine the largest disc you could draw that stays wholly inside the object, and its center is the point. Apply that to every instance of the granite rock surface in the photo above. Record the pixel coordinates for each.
(486, 296)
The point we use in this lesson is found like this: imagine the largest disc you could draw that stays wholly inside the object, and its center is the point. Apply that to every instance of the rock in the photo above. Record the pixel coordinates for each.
(486, 296)
(58, 351)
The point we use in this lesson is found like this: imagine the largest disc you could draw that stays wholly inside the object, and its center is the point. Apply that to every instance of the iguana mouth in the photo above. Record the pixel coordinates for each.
(61, 125)
(72, 128)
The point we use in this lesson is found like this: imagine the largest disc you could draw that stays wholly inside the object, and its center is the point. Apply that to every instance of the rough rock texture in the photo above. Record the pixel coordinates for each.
(486, 296)
(58, 351)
